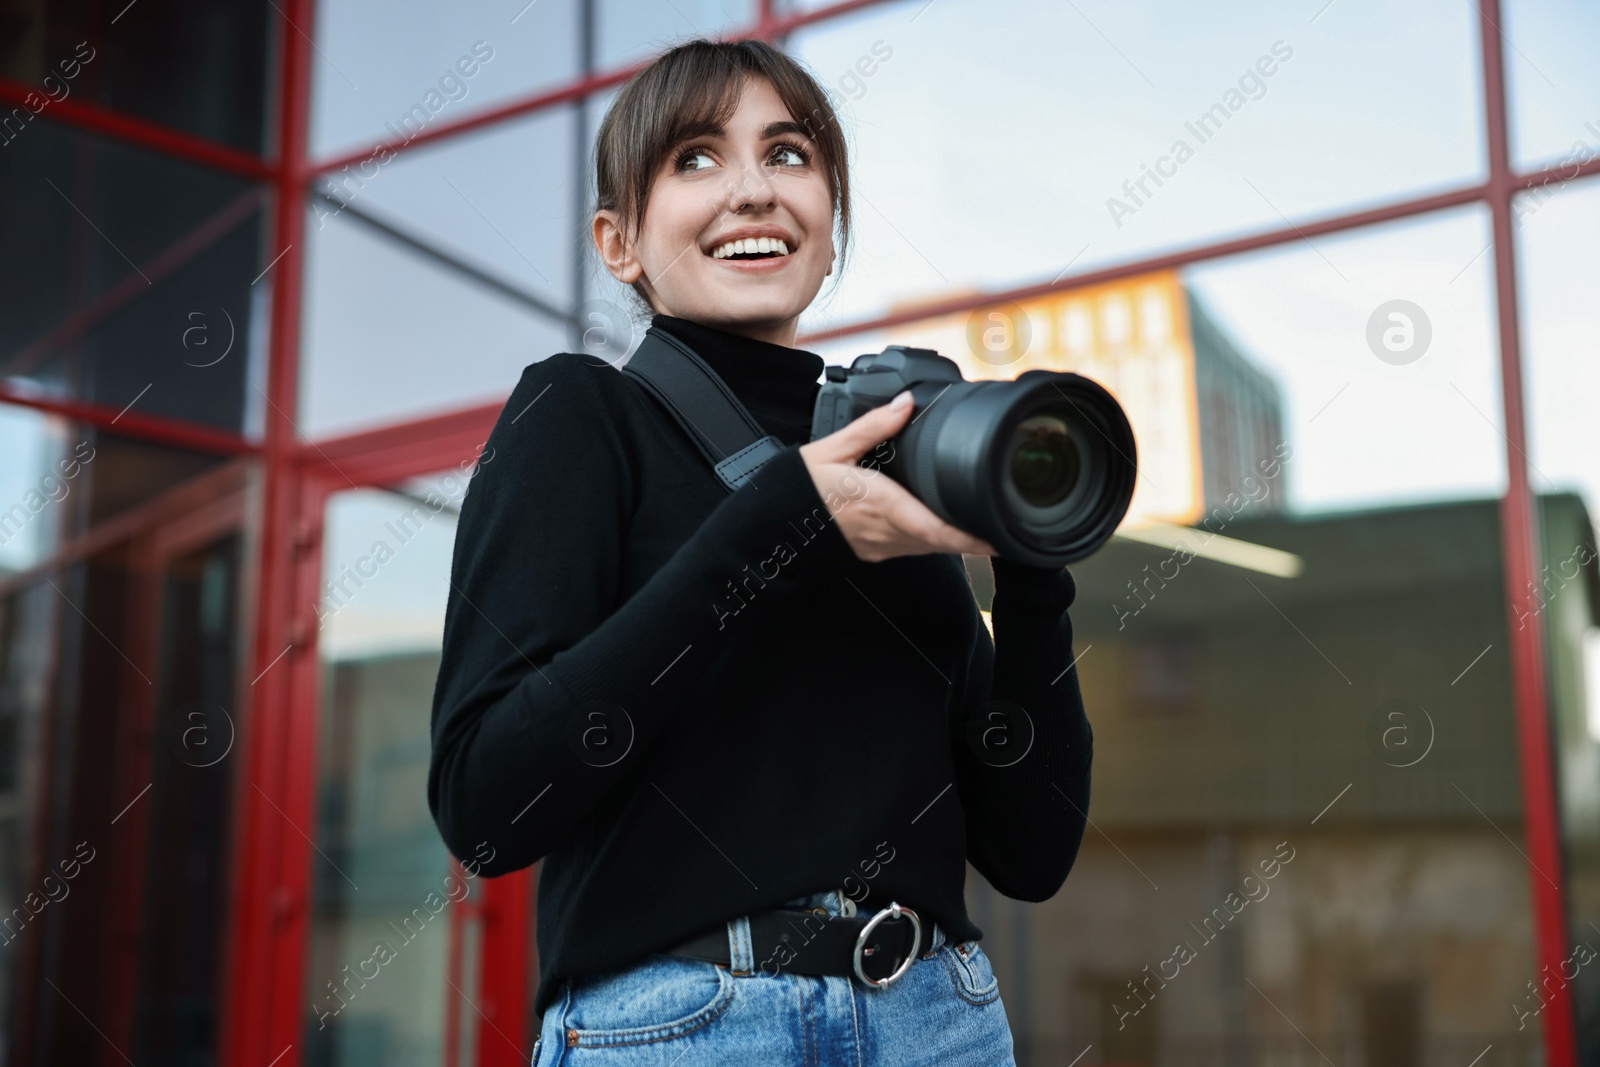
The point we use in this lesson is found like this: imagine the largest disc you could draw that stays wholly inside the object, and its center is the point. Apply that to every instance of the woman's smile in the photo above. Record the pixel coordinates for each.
(754, 249)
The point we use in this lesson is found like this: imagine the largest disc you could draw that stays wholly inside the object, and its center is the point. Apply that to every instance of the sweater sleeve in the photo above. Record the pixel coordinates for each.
(545, 678)
(1025, 815)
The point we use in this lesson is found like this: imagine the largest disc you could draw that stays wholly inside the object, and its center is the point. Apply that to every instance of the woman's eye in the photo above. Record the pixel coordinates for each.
(689, 156)
(796, 157)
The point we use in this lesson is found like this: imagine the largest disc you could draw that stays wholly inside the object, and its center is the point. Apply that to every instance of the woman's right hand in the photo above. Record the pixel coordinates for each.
(879, 517)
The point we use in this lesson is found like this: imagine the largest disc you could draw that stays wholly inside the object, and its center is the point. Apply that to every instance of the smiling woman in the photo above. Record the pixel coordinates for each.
(699, 892)
(743, 167)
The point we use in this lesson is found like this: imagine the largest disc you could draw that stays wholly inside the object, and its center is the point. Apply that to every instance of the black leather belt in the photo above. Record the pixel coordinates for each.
(876, 948)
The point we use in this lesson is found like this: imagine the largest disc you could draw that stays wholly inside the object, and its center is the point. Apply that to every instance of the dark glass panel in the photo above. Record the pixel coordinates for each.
(201, 66)
(142, 272)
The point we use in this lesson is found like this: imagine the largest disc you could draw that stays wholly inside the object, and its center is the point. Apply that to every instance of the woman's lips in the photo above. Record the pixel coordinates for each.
(753, 266)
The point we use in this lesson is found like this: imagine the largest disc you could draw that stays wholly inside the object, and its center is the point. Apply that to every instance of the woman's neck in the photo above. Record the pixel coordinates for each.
(773, 333)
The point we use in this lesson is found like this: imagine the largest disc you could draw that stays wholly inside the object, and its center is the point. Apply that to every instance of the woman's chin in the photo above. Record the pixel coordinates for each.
(755, 308)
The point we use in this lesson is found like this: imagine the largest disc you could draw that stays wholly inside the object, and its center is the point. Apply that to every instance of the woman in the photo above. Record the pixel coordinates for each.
(737, 727)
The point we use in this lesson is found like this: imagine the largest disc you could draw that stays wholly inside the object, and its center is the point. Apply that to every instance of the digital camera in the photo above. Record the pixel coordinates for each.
(1042, 467)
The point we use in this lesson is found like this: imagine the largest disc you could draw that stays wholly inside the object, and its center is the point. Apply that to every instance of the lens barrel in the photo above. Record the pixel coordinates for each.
(1042, 467)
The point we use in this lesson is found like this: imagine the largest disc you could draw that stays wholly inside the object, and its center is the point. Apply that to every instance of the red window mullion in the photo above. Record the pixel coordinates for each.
(152, 136)
(271, 883)
(1521, 553)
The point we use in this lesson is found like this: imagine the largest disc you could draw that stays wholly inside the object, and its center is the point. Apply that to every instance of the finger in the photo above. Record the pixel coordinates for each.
(851, 441)
(916, 520)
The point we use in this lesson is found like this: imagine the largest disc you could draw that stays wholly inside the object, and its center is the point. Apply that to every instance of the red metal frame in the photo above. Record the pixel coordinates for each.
(271, 883)
(141, 133)
(263, 1009)
(1522, 550)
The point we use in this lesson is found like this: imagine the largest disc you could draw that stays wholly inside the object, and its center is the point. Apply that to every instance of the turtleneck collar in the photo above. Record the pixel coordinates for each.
(776, 383)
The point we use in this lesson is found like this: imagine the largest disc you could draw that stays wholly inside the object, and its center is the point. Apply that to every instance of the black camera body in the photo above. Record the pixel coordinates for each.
(1042, 467)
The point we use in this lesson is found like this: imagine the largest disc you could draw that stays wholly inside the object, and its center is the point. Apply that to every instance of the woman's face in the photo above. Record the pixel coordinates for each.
(760, 178)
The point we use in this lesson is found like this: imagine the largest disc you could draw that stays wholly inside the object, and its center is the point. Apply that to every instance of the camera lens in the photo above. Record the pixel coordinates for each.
(1041, 466)
(1045, 461)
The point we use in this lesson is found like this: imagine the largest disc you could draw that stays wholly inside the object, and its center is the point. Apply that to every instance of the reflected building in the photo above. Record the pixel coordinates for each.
(1205, 416)
(1345, 718)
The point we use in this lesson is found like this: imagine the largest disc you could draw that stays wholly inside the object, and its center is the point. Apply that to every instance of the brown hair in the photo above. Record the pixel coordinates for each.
(693, 85)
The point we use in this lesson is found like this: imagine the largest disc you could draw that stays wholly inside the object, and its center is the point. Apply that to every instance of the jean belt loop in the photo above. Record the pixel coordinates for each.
(741, 951)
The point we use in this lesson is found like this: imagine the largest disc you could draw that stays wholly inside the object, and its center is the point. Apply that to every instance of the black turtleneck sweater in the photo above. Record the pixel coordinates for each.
(692, 704)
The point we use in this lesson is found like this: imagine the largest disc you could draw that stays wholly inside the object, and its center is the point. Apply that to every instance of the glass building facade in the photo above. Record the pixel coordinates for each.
(271, 269)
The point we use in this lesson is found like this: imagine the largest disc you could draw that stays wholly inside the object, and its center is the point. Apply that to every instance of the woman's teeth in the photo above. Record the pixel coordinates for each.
(751, 246)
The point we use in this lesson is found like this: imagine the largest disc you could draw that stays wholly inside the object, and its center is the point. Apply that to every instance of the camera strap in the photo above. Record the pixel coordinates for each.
(729, 437)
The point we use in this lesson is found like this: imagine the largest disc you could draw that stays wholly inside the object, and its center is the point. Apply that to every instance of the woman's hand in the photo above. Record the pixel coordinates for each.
(880, 518)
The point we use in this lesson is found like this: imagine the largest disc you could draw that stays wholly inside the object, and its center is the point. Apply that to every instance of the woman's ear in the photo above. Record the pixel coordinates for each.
(616, 251)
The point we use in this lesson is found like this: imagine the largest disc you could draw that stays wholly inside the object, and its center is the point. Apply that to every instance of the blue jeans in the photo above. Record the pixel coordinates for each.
(673, 1011)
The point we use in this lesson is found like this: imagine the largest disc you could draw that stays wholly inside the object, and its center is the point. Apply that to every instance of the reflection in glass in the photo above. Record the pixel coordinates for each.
(386, 903)
(178, 1012)
(1562, 380)
(378, 80)
(138, 283)
(1551, 82)
(630, 31)
(199, 67)
(501, 199)
(1282, 117)
(118, 689)
(28, 629)
(1294, 659)
(392, 334)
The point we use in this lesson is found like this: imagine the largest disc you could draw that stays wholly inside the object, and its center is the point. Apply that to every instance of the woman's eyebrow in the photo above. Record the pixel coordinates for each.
(769, 131)
(777, 129)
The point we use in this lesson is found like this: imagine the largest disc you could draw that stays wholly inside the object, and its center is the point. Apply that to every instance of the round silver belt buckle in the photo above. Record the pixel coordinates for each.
(893, 911)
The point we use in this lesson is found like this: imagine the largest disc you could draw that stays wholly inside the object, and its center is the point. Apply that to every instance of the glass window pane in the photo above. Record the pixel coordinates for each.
(28, 647)
(390, 334)
(120, 712)
(502, 199)
(1080, 135)
(1294, 659)
(630, 31)
(42, 471)
(139, 286)
(183, 940)
(199, 66)
(386, 877)
(380, 75)
(1559, 326)
(1551, 81)
(62, 478)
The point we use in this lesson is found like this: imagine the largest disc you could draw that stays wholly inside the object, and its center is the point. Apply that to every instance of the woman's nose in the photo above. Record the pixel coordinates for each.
(752, 187)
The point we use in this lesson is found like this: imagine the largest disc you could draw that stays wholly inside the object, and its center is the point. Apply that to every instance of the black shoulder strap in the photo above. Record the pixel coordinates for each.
(726, 433)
